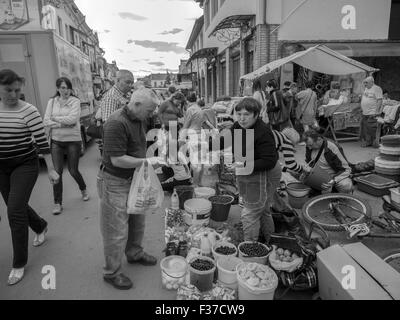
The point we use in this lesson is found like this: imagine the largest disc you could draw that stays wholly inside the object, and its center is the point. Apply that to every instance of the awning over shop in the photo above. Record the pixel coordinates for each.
(203, 53)
(320, 59)
(236, 21)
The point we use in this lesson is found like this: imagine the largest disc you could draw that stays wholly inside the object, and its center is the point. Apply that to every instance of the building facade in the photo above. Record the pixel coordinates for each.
(238, 37)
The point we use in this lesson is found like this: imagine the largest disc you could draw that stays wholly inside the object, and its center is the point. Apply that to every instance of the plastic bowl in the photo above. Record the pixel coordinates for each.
(261, 260)
(218, 256)
(298, 190)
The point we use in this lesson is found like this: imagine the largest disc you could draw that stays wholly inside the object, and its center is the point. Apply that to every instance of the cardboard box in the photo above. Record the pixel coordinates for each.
(373, 278)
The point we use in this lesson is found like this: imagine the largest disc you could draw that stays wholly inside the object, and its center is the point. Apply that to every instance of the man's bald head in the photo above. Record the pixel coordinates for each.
(125, 80)
(143, 103)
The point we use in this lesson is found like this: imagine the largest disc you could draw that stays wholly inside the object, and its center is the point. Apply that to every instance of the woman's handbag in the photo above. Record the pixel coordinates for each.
(95, 129)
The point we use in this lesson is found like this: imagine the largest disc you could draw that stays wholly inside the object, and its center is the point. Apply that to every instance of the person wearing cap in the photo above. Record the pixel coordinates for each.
(371, 105)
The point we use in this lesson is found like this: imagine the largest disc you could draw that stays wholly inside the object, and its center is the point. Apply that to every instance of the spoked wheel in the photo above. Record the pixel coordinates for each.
(393, 258)
(318, 211)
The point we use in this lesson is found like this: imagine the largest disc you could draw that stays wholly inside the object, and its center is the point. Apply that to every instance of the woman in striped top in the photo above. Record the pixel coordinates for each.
(285, 142)
(21, 136)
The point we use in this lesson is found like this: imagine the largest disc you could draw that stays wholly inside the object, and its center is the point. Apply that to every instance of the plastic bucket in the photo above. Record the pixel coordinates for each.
(297, 202)
(227, 272)
(297, 189)
(261, 260)
(221, 206)
(173, 272)
(204, 193)
(316, 178)
(203, 280)
(200, 210)
(249, 293)
(184, 193)
(218, 256)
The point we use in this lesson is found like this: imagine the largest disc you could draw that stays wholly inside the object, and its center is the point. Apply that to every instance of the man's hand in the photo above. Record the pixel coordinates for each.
(307, 169)
(327, 187)
(157, 162)
(54, 177)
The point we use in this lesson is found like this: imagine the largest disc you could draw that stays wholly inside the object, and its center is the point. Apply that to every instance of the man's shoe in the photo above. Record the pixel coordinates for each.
(145, 260)
(120, 282)
(57, 209)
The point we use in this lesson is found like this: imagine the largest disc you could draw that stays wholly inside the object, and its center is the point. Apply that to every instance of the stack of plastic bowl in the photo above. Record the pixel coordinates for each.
(204, 193)
(388, 162)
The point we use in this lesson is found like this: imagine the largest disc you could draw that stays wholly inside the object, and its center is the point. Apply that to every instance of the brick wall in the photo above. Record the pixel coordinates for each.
(273, 43)
(261, 53)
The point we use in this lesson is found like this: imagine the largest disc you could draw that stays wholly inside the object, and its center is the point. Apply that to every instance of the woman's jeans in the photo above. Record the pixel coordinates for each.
(122, 233)
(73, 152)
(257, 192)
(16, 185)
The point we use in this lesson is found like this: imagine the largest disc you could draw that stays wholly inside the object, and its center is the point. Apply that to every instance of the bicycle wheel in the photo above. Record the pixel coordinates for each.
(392, 257)
(317, 211)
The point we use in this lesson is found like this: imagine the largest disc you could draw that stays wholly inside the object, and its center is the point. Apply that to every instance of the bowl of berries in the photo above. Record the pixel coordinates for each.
(224, 249)
(254, 252)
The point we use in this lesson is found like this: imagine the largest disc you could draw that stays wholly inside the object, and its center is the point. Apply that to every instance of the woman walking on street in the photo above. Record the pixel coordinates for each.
(21, 127)
(62, 118)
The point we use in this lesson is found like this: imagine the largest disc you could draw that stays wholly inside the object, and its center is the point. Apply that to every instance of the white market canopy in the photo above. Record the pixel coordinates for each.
(319, 59)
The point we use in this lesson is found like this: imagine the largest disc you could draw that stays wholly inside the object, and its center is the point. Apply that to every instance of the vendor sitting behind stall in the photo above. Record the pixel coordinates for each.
(327, 155)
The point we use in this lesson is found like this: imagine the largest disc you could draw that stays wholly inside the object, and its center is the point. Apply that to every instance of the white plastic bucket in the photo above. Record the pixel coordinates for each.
(200, 210)
(227, 273)
(260, 260)
(204, 193)
(249, 293)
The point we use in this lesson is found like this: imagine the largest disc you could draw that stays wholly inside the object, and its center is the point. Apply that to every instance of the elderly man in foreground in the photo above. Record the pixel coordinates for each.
(124, 152)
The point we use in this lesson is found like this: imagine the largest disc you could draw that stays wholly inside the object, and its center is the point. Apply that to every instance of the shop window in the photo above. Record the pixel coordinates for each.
(60, 27)
(222, 78)
(394, 27)
(235, 71)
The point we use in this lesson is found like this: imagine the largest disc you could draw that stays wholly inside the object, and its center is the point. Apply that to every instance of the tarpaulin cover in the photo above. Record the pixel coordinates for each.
(319, 59)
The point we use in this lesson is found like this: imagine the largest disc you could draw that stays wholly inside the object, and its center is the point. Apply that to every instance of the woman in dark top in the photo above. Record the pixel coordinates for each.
(257, 181)
(21, 135)
(278, 112)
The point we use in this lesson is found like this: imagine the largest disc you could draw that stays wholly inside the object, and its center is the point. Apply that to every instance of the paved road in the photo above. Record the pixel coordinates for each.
(74, 244)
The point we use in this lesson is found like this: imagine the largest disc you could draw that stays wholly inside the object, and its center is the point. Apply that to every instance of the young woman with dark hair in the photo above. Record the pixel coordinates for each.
(22, 135)
(63, 120)
(261, 97)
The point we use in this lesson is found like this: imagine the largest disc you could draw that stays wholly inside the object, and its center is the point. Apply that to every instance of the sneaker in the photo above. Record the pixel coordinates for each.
(57, 209)
(16, 275)
(40, 239)
(85, 195)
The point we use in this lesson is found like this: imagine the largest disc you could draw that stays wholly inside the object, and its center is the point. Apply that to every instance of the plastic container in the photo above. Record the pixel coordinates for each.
(204, 193)
(218, 256)
(173, 272)
(203, 280)
(392, 151)
(391, 140)
(260, 260)
(227, 272)
(316, 178)
(200, 210)
(298, 190)
(250, 293)
(184, 193)
(297, 202)
(375, 185)
(221, 206)
(395, 195)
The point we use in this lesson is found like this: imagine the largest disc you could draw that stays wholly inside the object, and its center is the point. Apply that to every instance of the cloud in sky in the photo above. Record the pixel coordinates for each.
(131, 16)
(157, 63)
(173, 31)
(159, 46)
(120, 50)
(107, 31)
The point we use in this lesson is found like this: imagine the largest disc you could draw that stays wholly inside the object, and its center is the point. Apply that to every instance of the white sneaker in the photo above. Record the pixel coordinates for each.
(57, 209)
(16, 275)
(85, 195)
(40, 239)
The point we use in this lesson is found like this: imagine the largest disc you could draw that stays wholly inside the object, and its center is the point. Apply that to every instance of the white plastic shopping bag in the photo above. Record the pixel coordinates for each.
(146, 194)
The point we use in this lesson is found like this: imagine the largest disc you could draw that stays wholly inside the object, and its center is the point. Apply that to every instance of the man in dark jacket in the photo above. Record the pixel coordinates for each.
(330, 158)
(278, 111)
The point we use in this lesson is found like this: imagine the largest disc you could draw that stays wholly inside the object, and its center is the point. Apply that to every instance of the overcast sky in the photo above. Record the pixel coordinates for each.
(142, 35)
